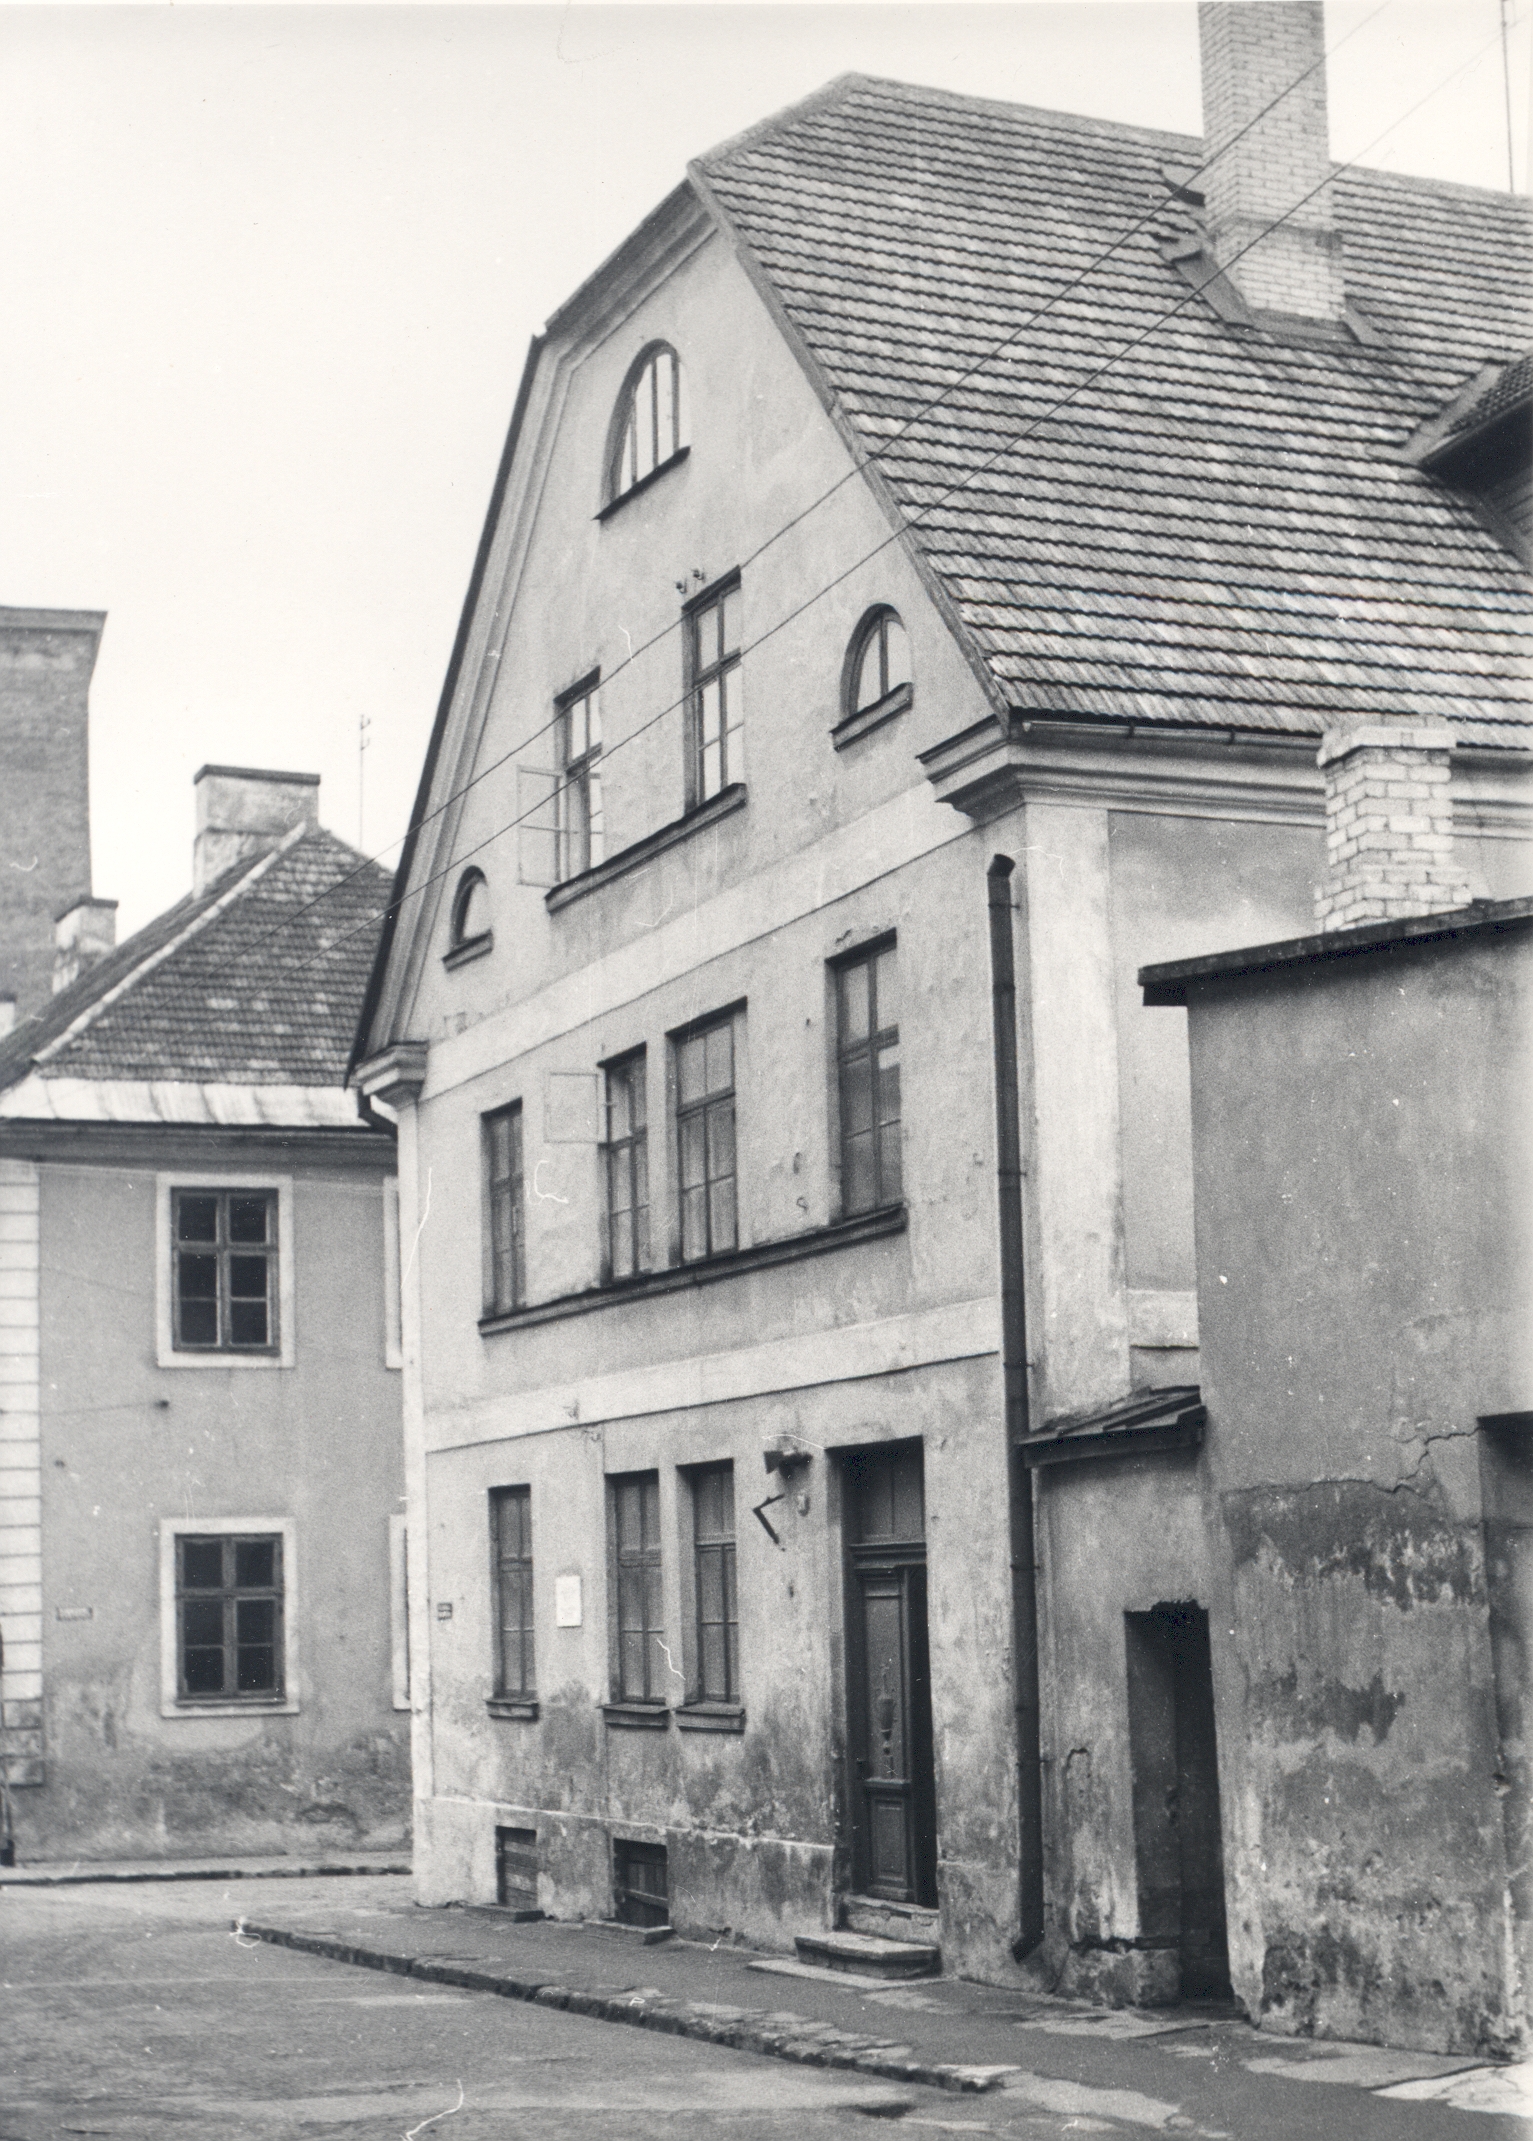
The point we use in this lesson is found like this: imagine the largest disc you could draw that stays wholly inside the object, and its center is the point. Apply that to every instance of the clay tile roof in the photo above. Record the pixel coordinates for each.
(1216, 528)
(248, 985)
(1511, 390)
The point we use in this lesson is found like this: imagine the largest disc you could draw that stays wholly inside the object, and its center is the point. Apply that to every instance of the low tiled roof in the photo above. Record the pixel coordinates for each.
(1510, 391)
(249, 984)
(1216, 528)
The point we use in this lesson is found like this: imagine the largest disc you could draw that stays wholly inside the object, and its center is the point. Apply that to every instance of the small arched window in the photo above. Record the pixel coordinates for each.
(470, 930)
(647, 428)
(877, 678)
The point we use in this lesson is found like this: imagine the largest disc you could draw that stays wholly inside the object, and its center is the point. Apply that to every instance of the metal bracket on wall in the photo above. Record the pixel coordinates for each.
(759, 1513)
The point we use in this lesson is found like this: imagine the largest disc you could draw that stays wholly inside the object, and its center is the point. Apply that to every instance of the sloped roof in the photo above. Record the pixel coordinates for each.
(1216, 528)
(1510, 391)
(249, 984)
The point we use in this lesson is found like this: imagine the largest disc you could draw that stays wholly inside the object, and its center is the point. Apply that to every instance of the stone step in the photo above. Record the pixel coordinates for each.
(891, 1921)
(869, 1955)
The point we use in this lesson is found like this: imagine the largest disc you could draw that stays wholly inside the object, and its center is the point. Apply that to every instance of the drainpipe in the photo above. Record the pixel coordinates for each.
(1024, 1573)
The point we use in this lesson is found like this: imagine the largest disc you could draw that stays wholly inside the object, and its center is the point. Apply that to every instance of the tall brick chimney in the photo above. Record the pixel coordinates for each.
(1254, 53)
(242, 812)
(1388, 823)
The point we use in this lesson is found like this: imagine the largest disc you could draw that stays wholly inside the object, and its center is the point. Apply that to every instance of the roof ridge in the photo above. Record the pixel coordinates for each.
(195, 924)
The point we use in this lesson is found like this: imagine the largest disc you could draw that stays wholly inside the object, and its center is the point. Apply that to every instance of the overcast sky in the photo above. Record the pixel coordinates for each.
(270, 274)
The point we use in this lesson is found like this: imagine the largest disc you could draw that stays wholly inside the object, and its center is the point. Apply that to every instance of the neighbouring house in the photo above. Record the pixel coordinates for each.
(926, 562)
(46, 660)
(202, 1552)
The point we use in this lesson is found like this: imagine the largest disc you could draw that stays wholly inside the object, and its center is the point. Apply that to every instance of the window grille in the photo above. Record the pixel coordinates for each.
(224, 1250)
(229, 1617)
(651, 432)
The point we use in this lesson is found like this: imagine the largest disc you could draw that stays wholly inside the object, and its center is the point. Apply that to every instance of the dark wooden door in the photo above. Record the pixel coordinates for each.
(1175, 1769)
(889, 1678)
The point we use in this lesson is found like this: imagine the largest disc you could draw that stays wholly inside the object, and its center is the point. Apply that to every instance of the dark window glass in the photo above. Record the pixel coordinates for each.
(880, 661)
(642, 1882)
(640, 1624)
(868, 1081)
(705, 1140)
(504, 1213)
(651, 427)
(626, 1150)
(718, 1620)
(224, 1253)
(717, 695)
(887, 1495)
(511, 1526)
(229, 1617)
(578, 801)
(470, 909)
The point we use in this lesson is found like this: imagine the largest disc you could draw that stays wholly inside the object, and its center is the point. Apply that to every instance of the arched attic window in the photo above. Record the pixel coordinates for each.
(876, 682)
(469, 931)
(648, 424)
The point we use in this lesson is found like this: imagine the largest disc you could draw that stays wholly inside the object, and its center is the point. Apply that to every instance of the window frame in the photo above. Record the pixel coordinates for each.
(513, 1695)
(494, 1304)
(724, 1544)
(683, 1111)
(580, 775)
(631, 1153)
(854, 720)
(172, 1702)
(699, 675)
(845, 1054)
(650, 1563)
(168, 1354)
(461, 947)
(615, 484)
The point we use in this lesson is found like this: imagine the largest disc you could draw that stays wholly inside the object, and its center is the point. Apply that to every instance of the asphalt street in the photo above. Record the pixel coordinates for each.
(138, 2010)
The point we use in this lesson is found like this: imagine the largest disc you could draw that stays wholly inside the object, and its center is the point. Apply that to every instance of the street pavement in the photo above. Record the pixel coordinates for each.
(134, 2009)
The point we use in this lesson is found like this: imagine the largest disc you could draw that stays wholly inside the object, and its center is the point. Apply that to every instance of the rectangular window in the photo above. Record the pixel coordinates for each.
(705, 1140)
(868, 1080)
(718, 1621)
(641, 1883)
(229, 1644)
(636, 1552)
(224, 1289)
(626, 1156)
(511, 1536)
(716, 689)
(580, 832)
(505, 1274)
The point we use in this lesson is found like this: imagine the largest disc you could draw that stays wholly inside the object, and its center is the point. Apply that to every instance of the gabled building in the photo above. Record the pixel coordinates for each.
(201, 1516)
(926, 564)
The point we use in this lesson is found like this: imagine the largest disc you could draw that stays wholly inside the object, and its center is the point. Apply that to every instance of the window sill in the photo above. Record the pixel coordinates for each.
(637, 1716)
(524, 1708)
(840, 1234)
(221, 1706)
(711, 1717)
(662, 468)
(638, 852)
(868, 718)
(471, 948)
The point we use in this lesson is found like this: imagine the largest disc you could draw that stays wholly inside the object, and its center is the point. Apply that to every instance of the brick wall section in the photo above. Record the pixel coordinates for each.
(1251, 54)
(1388, 824)
(46, 659)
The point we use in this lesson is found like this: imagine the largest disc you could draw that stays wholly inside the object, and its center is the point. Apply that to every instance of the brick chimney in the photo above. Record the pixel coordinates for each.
(82, 934)
(242, 812)
(1254, 52)
(1388, 823)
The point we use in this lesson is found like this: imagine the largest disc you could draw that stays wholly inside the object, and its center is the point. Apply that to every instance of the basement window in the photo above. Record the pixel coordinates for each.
(640, 1883)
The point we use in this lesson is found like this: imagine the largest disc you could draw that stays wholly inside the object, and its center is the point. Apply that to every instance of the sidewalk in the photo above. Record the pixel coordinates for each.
(1168, 2070)
(67, 1873)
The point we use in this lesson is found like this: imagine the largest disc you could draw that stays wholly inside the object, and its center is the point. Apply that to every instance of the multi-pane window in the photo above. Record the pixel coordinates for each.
(505, 1219)
(229, 1617)
(718, 1620)
(640, 1659)
(717, 697)
(224, 1249)
(511, 1541)
(705, 1139)
(626, 1156)
(651, 426)
(868, 1080)
(580, 829)
(470, 911)
(880, 661)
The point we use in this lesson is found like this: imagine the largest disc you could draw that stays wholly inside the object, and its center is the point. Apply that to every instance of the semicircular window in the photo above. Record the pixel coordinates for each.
(470, 929)
(878, 679)
(647, 429)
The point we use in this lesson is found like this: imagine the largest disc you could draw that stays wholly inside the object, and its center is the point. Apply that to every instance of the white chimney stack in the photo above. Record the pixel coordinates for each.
(82, 934)
(1255, 53)
(242, 812)
(1388, 823)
